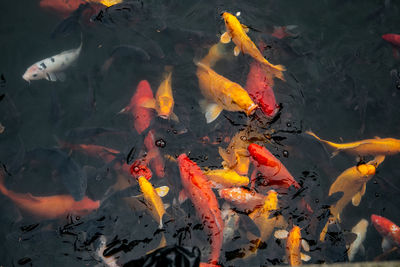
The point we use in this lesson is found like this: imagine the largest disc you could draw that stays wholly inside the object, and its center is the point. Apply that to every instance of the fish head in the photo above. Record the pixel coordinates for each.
(85, 206)
(241, 99)
(366, 169)
(137, 170)
(34, 72)
(230, 20)
(165, 106)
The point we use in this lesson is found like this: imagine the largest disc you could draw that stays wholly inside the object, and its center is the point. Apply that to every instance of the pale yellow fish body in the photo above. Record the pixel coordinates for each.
(153, 200)
(360, 229)
(237, 33)
(352, 182)
(373, 147)
(236, 156)
(264, 220)
(227, 178)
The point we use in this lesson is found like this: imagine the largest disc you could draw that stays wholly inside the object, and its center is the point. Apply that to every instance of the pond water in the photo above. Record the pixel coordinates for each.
(341, 83)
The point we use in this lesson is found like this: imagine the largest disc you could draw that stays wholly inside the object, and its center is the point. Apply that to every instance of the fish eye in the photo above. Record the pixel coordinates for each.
(34, 75)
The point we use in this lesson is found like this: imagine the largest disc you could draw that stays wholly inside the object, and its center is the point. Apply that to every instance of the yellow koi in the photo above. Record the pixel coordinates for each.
(237, 32)
(236, 156)
(352, 182)
(226, 178)
(374, 147)
(163, 103)
(152, 199)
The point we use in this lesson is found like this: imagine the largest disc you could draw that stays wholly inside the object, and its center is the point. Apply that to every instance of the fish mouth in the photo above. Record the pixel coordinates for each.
(165, 117)
(25, 77)
(251, 109)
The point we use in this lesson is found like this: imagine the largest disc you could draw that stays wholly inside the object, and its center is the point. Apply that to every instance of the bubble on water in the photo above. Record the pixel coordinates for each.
(375, 182)
(288, 124)
(285, 153)
(175, 131)
(316, 200)
(377, 195)
(77, 218)
(161, 143)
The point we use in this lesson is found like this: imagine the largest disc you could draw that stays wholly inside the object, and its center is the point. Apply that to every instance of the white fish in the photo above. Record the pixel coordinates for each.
(52, 68)
(360, 230)
(231, 221)
(108, 261)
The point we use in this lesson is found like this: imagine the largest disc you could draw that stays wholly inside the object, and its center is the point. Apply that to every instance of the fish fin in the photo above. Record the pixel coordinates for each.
(236, 51)
(386, 244)
(61, 76)
(124, 110)
(338, 218)
(182, 197)
(305, 245)
(50, 76)
(304, 257)
(363, 189)
(362, 249)
(225, 38)
(162, 191)
(174, 117)
(150, 103)
(166, 206)
(211, 110)
(356, 199)
(334, 153)
(245, 28)
(281, 234)
(377, 160)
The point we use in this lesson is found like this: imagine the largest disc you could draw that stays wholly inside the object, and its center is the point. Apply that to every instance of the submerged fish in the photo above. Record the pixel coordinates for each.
(389, 231)
(236, 156)
(352, 182)
(237, 32)
(52, 68)
(360, 229)
(153, 154)
(49, 207)
(152, 199)
(142, 116)
(197, 188)
(219, 92)
(293, 247)
(374, 147)
(274, 172)
(243, 199)
(226, 178)
(62, 7)
(163, 103)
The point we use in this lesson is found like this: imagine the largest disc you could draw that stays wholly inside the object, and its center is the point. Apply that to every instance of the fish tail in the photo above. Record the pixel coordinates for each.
(3, 189)
(214, 54)
(333, 145)
(275, 70)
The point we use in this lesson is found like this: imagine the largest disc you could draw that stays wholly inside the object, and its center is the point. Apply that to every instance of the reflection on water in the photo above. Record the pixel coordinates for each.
(70, 150)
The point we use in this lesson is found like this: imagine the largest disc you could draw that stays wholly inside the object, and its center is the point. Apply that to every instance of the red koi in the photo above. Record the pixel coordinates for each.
(392, 38)
(271, 168)
(62, 7)
(142, 116)
(49, 207)
(197, 188)
(243, 199)
(139, 169)
(154, 155)
(388, 230)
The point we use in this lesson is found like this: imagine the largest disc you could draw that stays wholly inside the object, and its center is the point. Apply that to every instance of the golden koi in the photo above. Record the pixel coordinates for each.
(236, 156)
(226, 178)
(164, 100)
(152, 199)
(107, 3)
(264, 221)
(352, 182)
(294, 243)
(374, 147)
(237, 32)
(220, 93)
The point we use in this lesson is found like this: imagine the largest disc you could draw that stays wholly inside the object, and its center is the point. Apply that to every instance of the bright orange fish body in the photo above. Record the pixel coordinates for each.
(197, 188)
(49, 207)
(271, 168)
(236, 32)
(293, 246)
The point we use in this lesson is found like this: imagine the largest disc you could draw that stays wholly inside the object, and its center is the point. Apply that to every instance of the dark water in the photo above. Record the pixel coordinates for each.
(339, 84)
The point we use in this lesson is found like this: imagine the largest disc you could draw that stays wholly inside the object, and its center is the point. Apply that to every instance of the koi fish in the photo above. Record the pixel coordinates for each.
(281, 32)
(271, 168)
(388, 230)
(154, 155)
(152, 199)
(142, 116)
(164, 101)
(52, 68)
(197, 188)
(236, 156)
(62, 7)
(237, 32)
(293, 247)
(231, 222)
(243, 199)
(259, 87)
(220, 93)
(265, 221)
(352, 182)
(394, 40)
(360, 229)
(374, 147)
(110, 261)
(139, 169)
(49, 207)
(226, 178)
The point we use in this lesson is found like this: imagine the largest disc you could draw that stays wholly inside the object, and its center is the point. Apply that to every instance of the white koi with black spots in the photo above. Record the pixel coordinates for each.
(52, 68)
